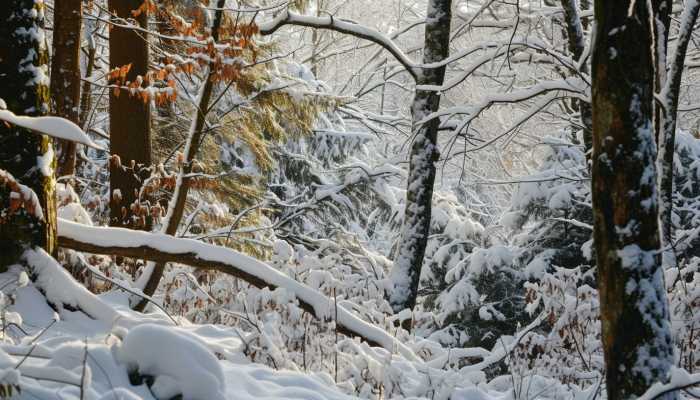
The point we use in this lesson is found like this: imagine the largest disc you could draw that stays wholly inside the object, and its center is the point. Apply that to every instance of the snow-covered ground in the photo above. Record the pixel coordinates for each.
(65, 354)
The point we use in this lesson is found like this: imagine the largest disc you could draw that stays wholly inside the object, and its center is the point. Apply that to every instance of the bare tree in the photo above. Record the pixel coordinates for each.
(424, 151)
(634, 311)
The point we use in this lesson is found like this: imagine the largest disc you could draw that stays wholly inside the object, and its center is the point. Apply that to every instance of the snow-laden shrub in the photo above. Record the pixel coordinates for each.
(177, 363)
(552, 226)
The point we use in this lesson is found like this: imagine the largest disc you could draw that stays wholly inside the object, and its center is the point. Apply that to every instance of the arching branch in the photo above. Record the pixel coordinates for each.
(343, 26)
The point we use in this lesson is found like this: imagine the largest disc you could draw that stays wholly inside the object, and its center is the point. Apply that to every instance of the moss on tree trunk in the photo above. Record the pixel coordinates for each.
(25, 155)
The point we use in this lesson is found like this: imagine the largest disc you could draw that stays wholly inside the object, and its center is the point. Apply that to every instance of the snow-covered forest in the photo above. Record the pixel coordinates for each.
(349, 199)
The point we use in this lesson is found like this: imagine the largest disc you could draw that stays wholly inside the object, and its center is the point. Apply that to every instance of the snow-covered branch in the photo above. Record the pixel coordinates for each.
(52, 126)
(574, 87)
(496, 50)
(680, 379)
(61, 289)
(343, 26)
(164, 248)
(21, 195)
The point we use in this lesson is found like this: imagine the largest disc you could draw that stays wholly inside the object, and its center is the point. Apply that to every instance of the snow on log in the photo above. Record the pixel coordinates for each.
(165, 248)
(61, 289)
(52, 126)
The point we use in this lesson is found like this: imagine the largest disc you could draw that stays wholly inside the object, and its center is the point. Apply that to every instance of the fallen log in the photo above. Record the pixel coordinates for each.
(164, 248)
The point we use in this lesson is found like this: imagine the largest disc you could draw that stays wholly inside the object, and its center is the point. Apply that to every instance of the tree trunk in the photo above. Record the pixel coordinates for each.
(176, 208)
(577, 45)
(585, 6)
(316, 41)
(129, 117)
(634, 311)
(405, 274)
(24, 154)
(86, 95)
(65, 74)
(662, 24)
(667, 137)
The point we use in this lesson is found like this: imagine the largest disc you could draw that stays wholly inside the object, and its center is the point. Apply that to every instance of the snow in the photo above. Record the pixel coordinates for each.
(192, 370)
(52, 126)
(69, 206)
(255, 382)
(322, 305)
(68, 349)
(45, 162)
(679, 379)
(507, 309)
(61, 289)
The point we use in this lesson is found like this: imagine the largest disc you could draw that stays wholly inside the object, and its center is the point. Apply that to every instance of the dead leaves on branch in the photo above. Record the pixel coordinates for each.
(147, 6)
(157, 85)
(146, 209)
(226, 57)
(21, 198)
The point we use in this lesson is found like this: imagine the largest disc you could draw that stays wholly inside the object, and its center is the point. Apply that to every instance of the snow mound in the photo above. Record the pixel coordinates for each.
(257, 382)
(179, 363)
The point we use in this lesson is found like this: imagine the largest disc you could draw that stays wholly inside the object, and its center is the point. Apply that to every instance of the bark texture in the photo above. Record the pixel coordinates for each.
(26, 156)
(65, 74)
(129, 117)
(405, 274)
(634, 311)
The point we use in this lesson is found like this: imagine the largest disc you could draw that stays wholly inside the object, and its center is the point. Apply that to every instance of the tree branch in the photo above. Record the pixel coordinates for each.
(164, 248)
(287, 17)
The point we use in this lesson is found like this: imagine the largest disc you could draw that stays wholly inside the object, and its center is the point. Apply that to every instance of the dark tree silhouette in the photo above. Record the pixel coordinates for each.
(25, 158)
(129, 116)
(634, 310)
